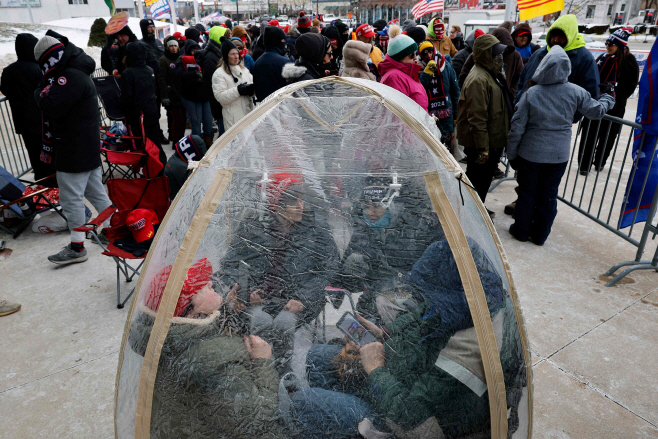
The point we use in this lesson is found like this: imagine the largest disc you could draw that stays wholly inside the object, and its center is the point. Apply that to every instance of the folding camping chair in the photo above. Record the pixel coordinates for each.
(128, 195)
(13, 194)
(122, 156)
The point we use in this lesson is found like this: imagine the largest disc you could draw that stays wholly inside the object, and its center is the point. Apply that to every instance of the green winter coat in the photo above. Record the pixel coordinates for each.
(207, 386)
(482, 120)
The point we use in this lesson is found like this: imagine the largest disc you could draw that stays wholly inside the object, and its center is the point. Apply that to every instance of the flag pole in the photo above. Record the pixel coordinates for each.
(140, 9)
(172, 13)
(510, 8)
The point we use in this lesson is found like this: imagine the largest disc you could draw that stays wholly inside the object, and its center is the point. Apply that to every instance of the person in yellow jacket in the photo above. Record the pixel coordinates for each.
(437, 35)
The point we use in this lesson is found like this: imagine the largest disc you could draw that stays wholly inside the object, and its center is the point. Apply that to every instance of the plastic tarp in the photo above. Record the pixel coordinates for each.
(326, 272)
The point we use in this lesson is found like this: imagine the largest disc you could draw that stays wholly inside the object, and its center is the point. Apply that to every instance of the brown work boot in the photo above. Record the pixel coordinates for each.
(7, 307)
(509, 209)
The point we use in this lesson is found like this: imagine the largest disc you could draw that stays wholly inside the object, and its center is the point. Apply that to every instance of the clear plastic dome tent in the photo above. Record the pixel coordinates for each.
(326, 271)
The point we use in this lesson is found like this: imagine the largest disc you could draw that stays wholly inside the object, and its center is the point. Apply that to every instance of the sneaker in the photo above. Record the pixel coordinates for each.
(7, 308)
(67, 256)
(102, 237)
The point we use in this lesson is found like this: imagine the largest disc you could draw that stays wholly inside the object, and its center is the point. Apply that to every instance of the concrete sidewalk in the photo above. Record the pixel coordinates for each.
(595, 349)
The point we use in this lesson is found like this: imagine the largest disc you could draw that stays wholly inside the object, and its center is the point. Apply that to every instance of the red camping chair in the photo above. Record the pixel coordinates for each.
(128, 195)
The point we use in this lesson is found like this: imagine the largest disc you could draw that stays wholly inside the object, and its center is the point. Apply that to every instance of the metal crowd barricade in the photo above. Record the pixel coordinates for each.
(13, 155)
(602, 194)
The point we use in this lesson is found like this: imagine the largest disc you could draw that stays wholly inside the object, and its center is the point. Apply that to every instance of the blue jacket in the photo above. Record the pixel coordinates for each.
(249, 63)
(546, 111)
(267, 72)
(452, 91)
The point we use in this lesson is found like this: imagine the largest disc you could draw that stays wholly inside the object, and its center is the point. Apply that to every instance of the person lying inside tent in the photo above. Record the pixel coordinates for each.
(280, 263)
(406, 382)
(393, 227)
(213, 380)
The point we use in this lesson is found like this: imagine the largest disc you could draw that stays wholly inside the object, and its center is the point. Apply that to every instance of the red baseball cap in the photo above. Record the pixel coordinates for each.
(365, 30)
(140, 222)
(273, 23)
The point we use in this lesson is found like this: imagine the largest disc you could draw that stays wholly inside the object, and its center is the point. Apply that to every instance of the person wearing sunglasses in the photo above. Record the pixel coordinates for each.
(618, 69)
(314, 51)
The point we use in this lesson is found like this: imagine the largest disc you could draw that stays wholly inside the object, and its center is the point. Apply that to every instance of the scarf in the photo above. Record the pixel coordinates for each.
(381, 223)
(48, 62)
(438, 102)
(608, 68)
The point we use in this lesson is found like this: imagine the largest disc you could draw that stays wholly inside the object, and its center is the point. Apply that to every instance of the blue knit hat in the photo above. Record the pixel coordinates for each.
(620, 37)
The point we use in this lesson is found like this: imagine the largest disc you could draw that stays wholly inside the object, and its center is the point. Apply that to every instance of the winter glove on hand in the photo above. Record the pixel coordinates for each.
(166, 102)
(607, 88)
(482, 158)
(246, 89)
(446, 139)
(430, 69)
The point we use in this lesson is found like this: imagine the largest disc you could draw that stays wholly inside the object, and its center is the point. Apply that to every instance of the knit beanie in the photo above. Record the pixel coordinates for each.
(303, 21)
(437, 29)
(226, 47)
(619, 37)
(272, 36)
(44, 44)
(192, 34)
(400, 46)
(417, 34)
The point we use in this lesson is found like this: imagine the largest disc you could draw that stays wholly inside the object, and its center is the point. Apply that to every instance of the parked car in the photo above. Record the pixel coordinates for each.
(328, 18)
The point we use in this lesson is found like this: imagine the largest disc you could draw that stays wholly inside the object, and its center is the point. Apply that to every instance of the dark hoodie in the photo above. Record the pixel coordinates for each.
(112, 54)
(311, 48)
(137, 84)
(167, 79)
(18, 82)
(459, 59)
(333, 67)
(267, 70)
(191, 82)
(70, 103)
(188, 148)
(150, 40)
(530, 48)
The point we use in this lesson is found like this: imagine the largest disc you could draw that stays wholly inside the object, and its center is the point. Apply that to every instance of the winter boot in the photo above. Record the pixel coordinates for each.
(509, 209)
(207, 139)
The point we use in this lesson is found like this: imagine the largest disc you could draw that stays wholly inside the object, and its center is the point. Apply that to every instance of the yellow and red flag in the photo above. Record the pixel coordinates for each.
(529, 9)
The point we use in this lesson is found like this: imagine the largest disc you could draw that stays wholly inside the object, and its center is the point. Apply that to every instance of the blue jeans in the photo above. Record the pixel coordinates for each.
(199, 112)
(321, 412)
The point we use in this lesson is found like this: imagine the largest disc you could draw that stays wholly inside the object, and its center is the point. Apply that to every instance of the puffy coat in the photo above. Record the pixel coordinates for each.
(167, 78)
(19, 80)
(356, 55)
(584, 71)
(297, 264)
(225, 90)
(546, 111)
(206, 386)
(70, 103)
(413, 391)
(482, 120)
(267, 72)
(138, 92)
(301, 71)
(404, 78)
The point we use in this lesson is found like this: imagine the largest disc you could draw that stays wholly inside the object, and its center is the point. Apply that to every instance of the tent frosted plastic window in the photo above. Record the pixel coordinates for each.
(333, 199)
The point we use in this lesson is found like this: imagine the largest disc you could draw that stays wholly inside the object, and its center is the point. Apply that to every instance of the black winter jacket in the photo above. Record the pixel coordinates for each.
(137, 84)
(18, 82)
(70, 103)
(112, 56)
(208, 60)
(460, 58)
(154, 44)
(167, 79)
(267, 72)
(191, 82)
(627, 78)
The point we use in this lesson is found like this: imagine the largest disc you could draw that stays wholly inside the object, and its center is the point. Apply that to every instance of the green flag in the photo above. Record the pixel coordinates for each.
(110, 4)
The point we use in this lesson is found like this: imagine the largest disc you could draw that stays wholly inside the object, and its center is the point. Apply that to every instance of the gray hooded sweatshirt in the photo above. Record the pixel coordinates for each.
(541, 126)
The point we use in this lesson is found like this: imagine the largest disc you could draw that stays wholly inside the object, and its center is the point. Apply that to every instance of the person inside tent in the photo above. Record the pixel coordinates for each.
(209, 362)
(404, 383)
(390, 234)
(280, 263)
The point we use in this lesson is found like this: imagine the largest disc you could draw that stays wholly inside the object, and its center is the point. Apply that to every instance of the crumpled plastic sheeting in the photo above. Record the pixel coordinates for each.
(356, 247)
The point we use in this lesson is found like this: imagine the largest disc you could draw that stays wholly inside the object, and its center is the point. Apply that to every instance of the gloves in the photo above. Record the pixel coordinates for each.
(246, 89)
(482, 158)
(430, 69)
(166, 102)
(607, 88)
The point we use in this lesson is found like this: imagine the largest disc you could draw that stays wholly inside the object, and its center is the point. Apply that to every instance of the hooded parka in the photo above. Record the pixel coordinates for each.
(154, 44)
(267, 70)
(356, 55)
(482, 121)
(584, 71)
(546, 111)
(168, 82)
(311, 48)
(138, 92)
(70, 103)
(530, 48)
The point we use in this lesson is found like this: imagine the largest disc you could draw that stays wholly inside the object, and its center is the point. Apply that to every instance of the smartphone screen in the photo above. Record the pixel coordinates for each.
(354, 330)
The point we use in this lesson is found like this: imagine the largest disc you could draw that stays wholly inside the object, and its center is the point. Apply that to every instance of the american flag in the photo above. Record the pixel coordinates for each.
(425, 7)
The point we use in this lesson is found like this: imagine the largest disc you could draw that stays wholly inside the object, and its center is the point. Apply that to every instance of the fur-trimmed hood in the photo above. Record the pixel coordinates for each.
(291, 71)
(356, 55)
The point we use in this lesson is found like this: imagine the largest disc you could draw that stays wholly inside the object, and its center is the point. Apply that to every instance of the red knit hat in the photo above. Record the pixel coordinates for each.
(303, 21)
(273, 23)
(197, 277)
(478, 33)
(277, 185)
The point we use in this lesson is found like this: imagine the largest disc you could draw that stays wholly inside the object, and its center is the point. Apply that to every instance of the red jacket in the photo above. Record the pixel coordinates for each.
(404, 78)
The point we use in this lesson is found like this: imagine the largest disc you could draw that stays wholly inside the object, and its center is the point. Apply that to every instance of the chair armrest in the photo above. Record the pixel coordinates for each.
(96, 222)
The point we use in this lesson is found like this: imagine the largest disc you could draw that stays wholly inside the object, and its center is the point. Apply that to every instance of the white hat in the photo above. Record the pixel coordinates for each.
(44, 44)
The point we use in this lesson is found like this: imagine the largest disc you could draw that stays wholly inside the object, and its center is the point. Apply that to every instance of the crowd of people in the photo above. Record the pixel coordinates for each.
(481, 89)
